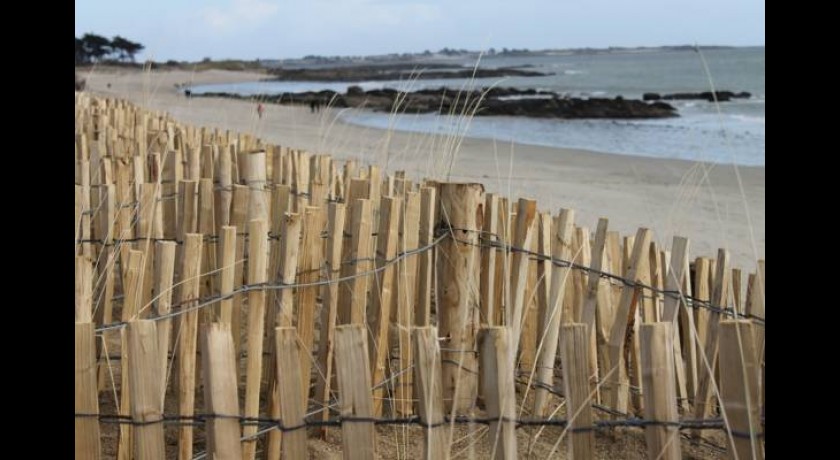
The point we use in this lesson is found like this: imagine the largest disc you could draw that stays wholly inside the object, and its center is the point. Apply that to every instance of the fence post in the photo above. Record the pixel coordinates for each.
(497, 353)
(575, 355)
(355, 401)
(430, 393)
(220, 395)
(292, 406)
(146, 394)
(86, 400)
(461, 211)
(658, 380)
(739, 389)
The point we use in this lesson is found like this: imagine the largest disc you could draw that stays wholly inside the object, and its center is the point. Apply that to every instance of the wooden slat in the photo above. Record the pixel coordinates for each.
(187, 337)
(488, 259)
(383, 293)
(132, 284)
(426, 261)
(617, 392)
(351, 353)
(575, 355)
(430, 393)
(256, 327)
(146, 391)
(282, 317)
(403, 318)
(84, 290)
(675, 282)
(720, 297)
(553, 317)
(238, 217)
(220, 395)
(352, 310)
(528, 334)
(207, 226)
(739, 390)
(164, 272)
(329, 309)
(227, 267)
(86, 402)
(526, 216)
(289, 380)
(658, 377)
(309, 269)
(496, 349)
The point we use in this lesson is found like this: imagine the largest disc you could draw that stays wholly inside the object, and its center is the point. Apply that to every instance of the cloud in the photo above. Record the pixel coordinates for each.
(239, 14)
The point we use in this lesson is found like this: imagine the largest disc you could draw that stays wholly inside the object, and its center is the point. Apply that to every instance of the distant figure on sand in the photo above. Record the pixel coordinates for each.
(260, 110)
(187, 93)
(312, 106)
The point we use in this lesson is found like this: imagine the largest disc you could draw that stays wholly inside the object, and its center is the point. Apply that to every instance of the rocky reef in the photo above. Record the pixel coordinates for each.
(721, 96)
(484, 102)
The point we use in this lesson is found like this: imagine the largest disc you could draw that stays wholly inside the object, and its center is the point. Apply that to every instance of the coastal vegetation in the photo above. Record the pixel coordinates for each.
(93, 48)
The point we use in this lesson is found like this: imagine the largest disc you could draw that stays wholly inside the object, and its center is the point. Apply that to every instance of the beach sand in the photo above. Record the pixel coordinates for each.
(701, 201)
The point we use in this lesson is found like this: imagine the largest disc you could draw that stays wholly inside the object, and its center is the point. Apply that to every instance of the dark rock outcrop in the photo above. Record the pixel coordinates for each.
(722, 96)
(396, 72)
(493, 101)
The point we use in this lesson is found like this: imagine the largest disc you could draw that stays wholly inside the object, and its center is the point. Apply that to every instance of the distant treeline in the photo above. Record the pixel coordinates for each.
(96, 48)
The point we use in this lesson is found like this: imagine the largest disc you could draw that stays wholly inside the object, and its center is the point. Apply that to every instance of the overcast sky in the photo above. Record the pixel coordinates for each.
(270, 29)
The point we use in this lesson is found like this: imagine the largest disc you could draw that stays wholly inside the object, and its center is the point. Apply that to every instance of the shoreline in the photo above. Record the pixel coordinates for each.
(701, 201)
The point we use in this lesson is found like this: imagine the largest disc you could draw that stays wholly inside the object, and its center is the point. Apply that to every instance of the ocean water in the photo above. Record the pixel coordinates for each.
(735, 133)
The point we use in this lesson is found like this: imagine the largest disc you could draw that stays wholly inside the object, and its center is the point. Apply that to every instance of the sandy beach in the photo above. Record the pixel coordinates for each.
(704, 202)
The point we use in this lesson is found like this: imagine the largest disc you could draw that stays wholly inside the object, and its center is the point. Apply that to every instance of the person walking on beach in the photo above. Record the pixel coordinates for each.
(260, 110)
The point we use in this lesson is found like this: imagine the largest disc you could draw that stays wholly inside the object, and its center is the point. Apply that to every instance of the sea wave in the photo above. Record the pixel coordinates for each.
(748, 118)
